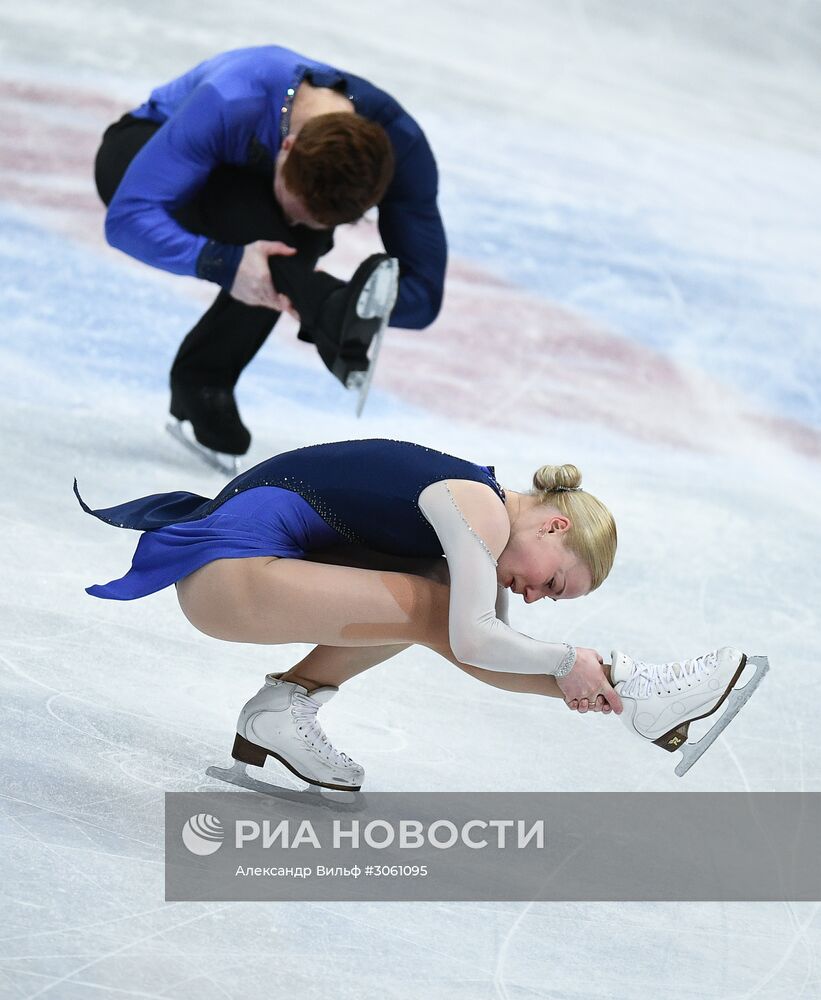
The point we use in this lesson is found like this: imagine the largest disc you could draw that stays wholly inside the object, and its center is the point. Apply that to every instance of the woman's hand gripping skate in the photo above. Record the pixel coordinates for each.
(586, 687)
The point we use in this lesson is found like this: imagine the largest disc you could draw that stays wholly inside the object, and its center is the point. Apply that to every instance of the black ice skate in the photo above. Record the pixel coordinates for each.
(206, 421)
(353, 322)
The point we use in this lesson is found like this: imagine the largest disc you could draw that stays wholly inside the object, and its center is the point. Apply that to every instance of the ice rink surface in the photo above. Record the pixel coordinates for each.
(632, 194)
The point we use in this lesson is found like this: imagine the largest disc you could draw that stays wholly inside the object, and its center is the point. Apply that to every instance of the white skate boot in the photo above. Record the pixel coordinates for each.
(280, 721)
(662, 699)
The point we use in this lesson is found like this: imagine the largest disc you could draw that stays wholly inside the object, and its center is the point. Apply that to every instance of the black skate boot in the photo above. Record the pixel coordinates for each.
(353, 316)
(219, 435)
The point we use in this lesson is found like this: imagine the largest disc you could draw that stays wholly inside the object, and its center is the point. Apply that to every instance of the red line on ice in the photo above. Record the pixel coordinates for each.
(496, 356)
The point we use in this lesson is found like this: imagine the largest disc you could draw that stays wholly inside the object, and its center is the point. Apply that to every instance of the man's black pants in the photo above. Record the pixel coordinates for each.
(236, 206)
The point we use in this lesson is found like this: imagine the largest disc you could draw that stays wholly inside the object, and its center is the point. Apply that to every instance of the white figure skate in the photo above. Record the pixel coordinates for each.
(280, 721)
(661, 700)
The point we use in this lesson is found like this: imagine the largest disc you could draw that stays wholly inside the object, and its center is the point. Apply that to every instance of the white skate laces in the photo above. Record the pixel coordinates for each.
(304, 710)
(665, 678)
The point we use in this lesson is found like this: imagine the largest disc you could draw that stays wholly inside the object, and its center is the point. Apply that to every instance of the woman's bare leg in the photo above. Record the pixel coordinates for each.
(273, 601)
(333, 665)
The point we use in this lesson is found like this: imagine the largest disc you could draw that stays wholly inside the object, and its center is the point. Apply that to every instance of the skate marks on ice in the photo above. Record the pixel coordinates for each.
(559, 362)
(95, 762)
(497, 351)
(96, 725)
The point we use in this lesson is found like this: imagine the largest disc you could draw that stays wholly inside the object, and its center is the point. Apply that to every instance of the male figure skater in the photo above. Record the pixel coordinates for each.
(237, 172)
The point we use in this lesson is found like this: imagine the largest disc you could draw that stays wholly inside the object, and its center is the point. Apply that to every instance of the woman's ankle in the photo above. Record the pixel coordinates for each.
(293, 677)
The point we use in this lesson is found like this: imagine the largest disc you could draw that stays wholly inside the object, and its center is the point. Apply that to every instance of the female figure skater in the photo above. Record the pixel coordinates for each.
(341, 545)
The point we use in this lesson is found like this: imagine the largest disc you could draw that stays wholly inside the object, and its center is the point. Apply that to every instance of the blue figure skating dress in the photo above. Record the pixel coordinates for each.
(358, 492)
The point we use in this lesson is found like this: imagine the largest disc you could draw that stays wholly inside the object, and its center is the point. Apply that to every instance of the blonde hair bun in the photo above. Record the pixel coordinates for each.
(592, 534)
(550, 478)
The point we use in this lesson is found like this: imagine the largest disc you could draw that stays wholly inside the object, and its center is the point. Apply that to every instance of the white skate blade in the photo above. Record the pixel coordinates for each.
(332, 797)
(378, 294)
(361, 381)
(738, 697)
(181, 431)
(377, 298)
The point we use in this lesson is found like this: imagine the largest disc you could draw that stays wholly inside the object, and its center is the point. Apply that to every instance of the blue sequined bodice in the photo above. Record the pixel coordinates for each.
(368, 491)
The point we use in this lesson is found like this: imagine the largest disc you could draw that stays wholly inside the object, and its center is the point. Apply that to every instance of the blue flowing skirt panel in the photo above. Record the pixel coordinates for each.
(262, 521)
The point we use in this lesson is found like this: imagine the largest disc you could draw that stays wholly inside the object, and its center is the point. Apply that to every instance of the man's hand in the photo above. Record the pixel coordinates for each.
(586, 686)
(253, 284)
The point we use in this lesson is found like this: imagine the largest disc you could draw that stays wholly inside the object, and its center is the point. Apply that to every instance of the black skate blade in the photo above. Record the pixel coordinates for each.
(181, 431)
(376, 299)
(328, 798)
(736, 700)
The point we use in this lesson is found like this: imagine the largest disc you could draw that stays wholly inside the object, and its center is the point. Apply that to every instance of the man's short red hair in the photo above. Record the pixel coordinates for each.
(340, 165)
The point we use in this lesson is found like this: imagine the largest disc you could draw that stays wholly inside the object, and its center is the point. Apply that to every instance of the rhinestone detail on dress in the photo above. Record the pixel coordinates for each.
(478, 538)
(307, 492)
(567, 661)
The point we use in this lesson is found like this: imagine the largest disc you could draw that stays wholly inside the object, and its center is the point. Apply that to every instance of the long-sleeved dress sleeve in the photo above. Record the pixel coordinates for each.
(477, 635)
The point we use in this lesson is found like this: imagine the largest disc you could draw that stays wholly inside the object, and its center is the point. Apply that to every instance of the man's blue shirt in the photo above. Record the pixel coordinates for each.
(216, 114)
